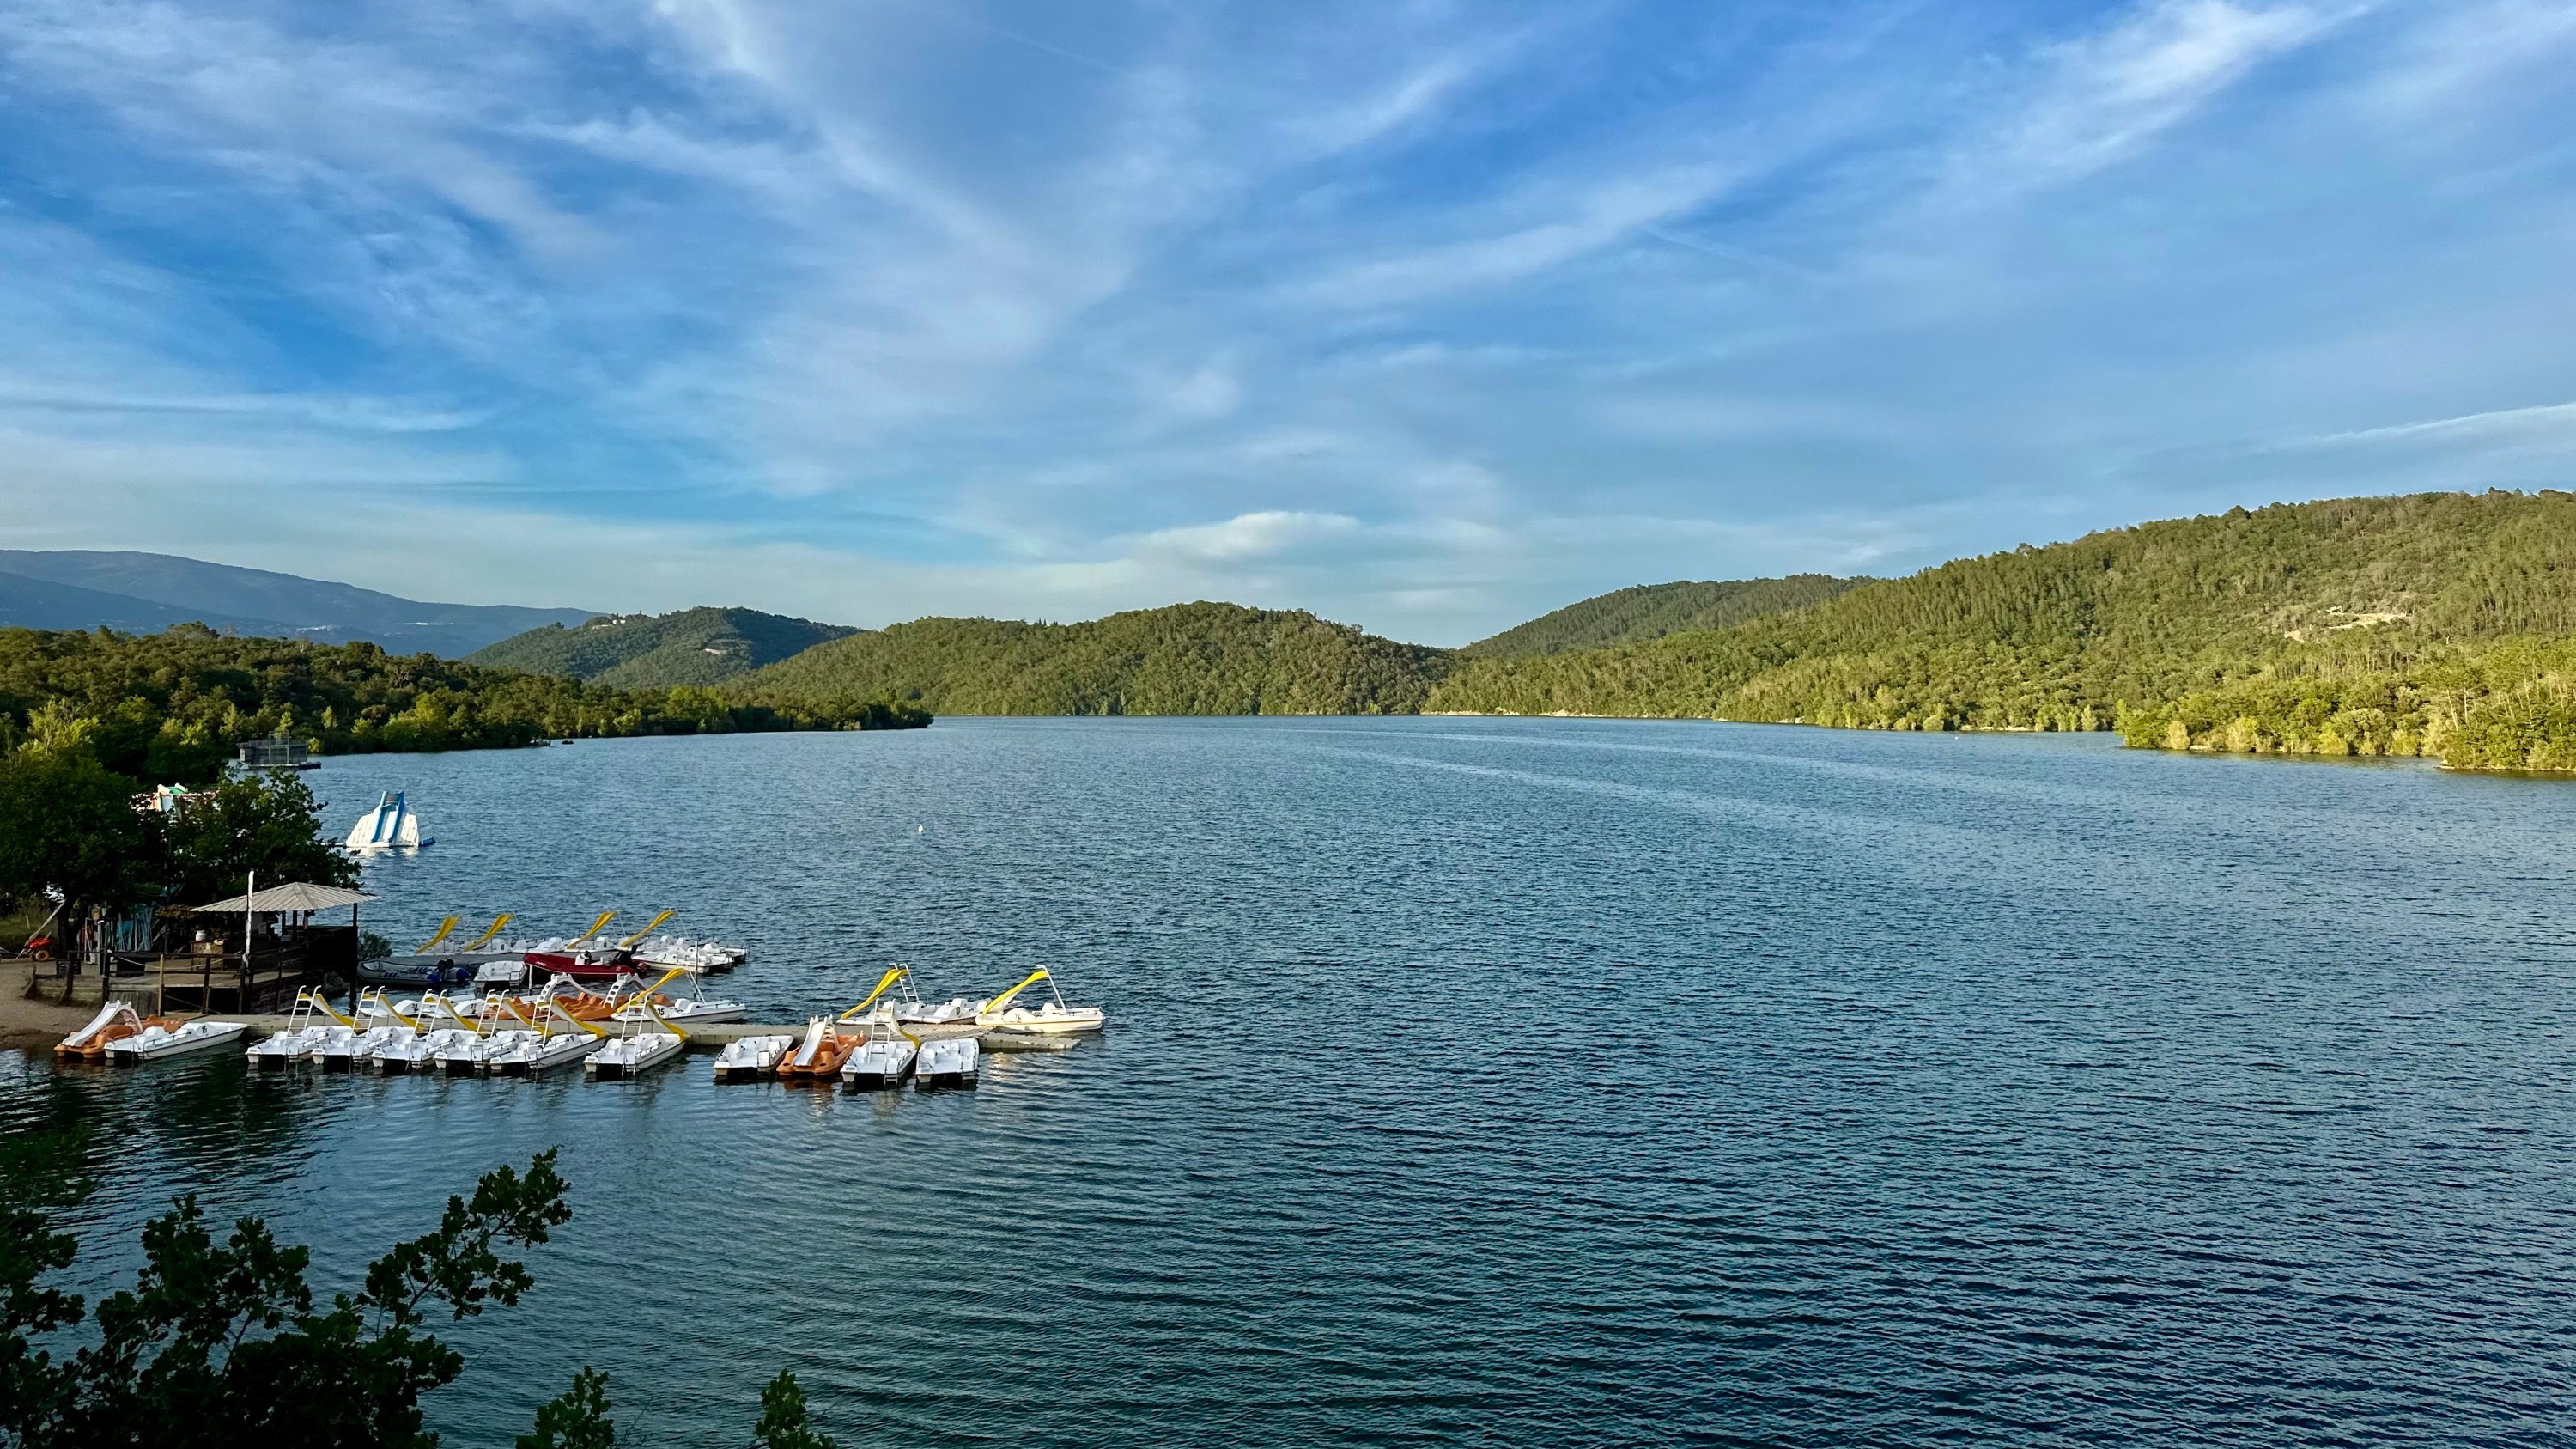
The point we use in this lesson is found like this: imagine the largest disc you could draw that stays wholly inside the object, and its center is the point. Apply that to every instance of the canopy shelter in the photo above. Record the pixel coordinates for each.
(294, 896)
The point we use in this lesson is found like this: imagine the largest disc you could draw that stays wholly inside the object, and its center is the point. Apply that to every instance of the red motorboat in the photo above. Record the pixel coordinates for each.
(604, 963)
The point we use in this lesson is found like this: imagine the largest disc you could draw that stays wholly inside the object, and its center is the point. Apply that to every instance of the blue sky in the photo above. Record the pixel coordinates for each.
(1425, 316)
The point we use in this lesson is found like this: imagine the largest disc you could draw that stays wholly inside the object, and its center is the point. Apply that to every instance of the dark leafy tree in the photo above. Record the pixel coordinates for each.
(264, 821)
(222, 1343)
(68, 825)
(783, 1422)
(577, 1420)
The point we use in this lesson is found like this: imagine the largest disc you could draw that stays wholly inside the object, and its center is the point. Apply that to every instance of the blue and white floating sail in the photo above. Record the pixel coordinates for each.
(389, 826)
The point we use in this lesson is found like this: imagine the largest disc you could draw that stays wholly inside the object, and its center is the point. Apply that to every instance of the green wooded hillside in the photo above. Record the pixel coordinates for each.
(1651, 611)
(2437, 624)
(1200, 658)
(169, 707)
(643, 651)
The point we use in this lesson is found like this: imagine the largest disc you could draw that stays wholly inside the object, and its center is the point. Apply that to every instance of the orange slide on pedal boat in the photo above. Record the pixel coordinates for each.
(818, 1054)
(115, 1022)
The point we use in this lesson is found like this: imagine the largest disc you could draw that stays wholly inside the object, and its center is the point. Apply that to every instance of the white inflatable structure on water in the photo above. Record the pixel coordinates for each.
(389, 826)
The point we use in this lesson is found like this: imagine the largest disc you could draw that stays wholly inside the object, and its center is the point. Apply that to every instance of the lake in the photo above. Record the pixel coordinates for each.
(1498, 1082)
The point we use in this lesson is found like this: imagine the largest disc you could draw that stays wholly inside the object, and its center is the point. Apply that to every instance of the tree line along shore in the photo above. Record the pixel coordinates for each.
(2438, 625)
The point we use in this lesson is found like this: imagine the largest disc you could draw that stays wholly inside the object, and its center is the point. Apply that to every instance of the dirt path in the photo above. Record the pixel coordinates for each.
(34, 1025)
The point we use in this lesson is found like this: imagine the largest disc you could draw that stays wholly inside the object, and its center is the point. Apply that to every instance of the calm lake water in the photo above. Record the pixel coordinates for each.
(1502, 1082)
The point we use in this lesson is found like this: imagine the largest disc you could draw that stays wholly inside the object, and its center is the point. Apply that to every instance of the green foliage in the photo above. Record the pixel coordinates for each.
(694, 646)
(783, 1424)
(1651, 611)
(263, 821)
(40, 1171)
(168, 708)
(2433, 624)
(1201, 658)
(222, 1344)
(68, 824)
(578, 1419)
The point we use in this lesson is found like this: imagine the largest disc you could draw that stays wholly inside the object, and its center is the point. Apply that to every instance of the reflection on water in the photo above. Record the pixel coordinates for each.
(1499, 1082)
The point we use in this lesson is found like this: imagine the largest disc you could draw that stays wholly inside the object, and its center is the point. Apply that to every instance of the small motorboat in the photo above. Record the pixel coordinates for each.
(953, 1061)
(156, 1041)
(391, 825)
(115, 1022)
(880, 1063)
(751, 1058)
(1051, 1018)
(584, 963)
(455, 968)
(819, 1056)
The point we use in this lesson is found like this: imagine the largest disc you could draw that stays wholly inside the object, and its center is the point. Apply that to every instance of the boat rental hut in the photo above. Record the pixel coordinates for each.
(262, 946)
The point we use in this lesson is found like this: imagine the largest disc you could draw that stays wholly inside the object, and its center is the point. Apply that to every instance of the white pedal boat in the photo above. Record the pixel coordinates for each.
(1052, 1018)
(684, 1011)
(954, 1010)
(348, 1051)
(878, 1065)
(470, 1054)
(153, 1043)
(417, 1051)
(953, 1061)
(628, 1057)
(751, 1058)
(275, 1053)
(534, 1055)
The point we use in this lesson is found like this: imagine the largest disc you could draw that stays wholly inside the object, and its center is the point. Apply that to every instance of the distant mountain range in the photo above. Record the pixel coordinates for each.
(642, 651)
(145, 593)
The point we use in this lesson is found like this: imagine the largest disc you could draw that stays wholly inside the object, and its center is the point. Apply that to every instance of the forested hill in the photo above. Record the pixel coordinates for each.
(2440, 624)
(1197, 658)
(1650, 611)
(169, 707)
(644, 651)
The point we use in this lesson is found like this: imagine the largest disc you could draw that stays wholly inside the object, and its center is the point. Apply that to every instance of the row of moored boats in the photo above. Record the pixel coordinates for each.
(621, 1030)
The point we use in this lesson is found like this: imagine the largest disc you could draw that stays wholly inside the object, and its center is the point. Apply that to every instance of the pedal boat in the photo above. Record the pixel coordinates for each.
(751, 1058)
(881, 1062)
(652, 1004)
(419, 1051)
(1052, 1018)
(470, 1052)
(546, 1043)
(819, 1057)
(156, 1041)
(307, 1025)
(114, 1023)
(647, 1043)
(349, 1049)
(954, 1061)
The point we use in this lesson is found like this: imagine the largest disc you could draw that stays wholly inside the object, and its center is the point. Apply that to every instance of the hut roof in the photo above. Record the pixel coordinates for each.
(293, 896)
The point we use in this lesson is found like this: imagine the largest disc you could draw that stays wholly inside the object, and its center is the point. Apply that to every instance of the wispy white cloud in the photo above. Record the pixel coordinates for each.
(2108, 94)
(1423, 314)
